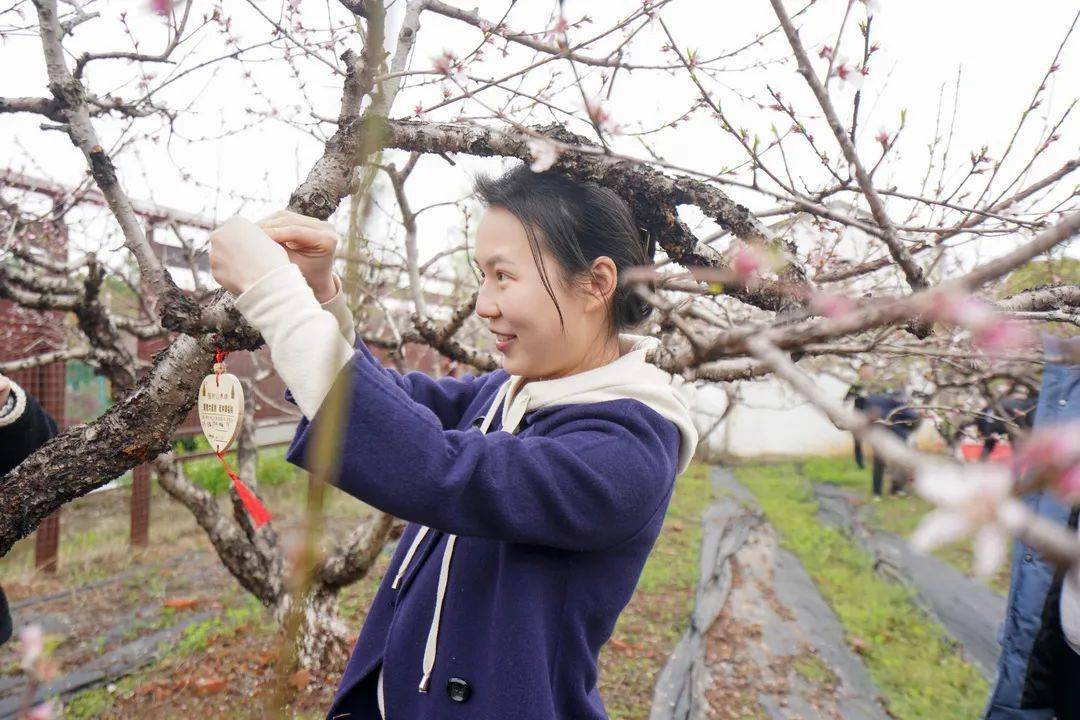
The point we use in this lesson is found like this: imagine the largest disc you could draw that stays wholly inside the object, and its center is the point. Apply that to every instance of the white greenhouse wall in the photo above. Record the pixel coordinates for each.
(769, 420)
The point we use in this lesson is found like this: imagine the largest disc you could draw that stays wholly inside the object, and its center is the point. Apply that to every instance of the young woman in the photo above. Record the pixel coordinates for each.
(533, 493)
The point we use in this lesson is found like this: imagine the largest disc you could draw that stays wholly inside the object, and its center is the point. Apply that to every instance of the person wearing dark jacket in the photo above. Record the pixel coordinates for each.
(24, 427)
(1019, 411)
(533, 493)
(1038, 673)
(888, 406)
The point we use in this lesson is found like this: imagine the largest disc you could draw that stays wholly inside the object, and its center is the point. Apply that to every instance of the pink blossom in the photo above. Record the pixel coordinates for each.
(1052, 447)
(44, 711)
(964, 310)
(600, 116)
(990, 331)
(557, 33)
(832, 306)
(853, 77)
(444, 63)
(883, 137)
(31, 644)
(161, 7)
(1067, 485)
(1001, 336)
(545, 153)
(746, 261)
(848, 74)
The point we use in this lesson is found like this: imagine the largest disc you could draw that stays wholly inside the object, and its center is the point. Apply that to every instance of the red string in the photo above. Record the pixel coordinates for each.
(258, 512)
(219, 364)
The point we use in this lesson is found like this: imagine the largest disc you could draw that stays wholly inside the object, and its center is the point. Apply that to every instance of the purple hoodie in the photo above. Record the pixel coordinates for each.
(548, 526)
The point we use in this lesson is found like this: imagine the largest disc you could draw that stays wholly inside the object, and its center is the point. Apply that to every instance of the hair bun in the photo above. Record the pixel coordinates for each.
(630, 308)
(650, 245)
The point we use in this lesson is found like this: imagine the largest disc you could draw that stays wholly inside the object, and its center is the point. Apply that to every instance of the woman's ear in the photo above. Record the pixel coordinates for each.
(602, 281)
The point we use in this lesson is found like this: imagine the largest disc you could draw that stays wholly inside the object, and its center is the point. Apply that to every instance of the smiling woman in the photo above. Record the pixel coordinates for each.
(550, 251)
(534, 493)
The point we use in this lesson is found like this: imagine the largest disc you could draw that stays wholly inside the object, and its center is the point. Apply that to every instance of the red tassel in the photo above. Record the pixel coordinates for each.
(258, 512)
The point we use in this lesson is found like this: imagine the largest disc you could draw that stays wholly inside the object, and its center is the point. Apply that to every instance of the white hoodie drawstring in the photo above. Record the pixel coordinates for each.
(408, 555)
(433, 631)
(444, 570)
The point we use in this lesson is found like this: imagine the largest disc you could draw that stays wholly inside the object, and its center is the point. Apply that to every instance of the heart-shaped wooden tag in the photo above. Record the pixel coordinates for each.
(221, 409)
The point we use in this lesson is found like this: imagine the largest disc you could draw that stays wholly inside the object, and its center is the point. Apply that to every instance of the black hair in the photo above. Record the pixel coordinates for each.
(577, 223)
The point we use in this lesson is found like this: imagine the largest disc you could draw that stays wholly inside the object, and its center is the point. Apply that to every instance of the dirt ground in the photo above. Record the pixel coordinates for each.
(218, 656)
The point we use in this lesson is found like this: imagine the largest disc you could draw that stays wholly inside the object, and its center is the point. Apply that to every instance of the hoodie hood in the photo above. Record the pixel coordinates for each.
(629, 376)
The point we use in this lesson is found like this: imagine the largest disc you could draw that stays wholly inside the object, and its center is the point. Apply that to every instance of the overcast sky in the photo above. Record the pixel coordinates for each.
(222, 161)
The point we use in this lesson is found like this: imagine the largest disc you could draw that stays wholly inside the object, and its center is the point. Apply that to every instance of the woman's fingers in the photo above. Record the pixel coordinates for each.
(302, 239)
(300, 233)
(241, 253)
(286, 217)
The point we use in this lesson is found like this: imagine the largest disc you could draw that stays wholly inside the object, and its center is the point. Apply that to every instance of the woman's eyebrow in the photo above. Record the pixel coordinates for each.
(493, 260)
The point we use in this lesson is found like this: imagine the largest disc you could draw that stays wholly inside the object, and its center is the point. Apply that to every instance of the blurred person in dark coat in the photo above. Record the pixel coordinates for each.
(884, 399)
(24, 427)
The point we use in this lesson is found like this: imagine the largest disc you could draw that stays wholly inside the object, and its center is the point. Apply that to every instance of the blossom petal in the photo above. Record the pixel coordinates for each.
(937, 528)
(941, 484)
(990, 543)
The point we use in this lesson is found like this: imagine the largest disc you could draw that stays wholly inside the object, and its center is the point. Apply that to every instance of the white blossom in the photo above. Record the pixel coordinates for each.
(544, 152)
(31, 645)
(971, 501)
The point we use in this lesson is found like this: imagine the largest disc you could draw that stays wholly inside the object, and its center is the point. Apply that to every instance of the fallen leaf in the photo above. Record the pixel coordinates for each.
(300, 679)
(182, 603)
(209, 686)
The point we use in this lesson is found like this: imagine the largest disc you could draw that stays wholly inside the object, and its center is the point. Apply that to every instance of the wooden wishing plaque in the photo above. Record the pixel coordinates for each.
(221, 409)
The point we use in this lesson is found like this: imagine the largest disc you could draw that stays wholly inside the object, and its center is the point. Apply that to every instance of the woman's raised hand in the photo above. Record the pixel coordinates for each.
(241, 253)
(310, 244)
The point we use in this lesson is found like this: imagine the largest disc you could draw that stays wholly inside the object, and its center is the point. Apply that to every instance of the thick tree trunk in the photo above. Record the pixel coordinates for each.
(322, 637)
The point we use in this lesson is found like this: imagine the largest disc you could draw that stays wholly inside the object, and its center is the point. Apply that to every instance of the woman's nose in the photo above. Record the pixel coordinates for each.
(486, 306)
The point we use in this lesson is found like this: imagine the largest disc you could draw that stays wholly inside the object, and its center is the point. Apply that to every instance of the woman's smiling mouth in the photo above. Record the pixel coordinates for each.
(503, 341)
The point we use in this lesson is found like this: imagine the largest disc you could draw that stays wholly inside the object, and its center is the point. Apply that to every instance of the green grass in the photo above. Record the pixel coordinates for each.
(193, 640)
(271, 470)
(657, 614)
(899, 515)
(814, 669)
(673, 564)
(196, 637)
(910, 657)
(93, 703)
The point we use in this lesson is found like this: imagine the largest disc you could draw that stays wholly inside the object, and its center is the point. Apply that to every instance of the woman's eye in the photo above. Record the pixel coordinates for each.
(500, 276)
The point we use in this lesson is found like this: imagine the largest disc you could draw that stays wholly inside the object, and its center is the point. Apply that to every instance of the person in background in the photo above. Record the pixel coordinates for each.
(24, 427)
(1038, 673)
(885, 401)
(1019, 409)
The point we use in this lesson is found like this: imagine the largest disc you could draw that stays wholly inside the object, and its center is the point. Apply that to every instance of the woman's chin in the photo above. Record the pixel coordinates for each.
(513, 365)
(509, 365)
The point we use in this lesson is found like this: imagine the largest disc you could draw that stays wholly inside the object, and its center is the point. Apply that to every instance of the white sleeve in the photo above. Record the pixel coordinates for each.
(307, 347)
(18, 407)
(339, 308)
